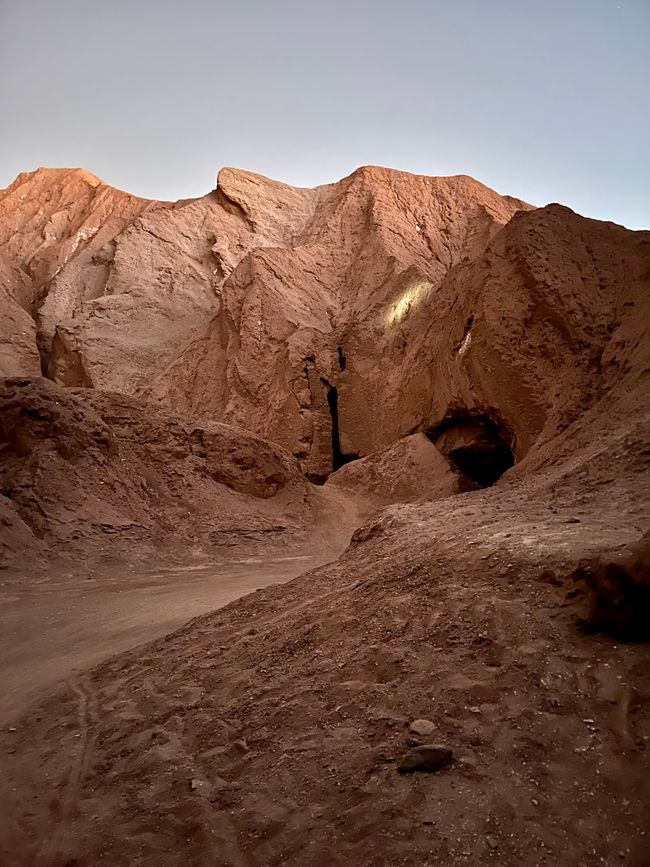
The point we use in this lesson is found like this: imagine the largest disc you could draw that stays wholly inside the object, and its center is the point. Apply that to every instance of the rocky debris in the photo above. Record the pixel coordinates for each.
(422, 727)
(620, 592)
(403, 610)
(425, 757)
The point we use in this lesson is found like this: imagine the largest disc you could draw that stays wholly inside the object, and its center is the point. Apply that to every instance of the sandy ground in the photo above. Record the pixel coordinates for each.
(269, 732)
(56, 626)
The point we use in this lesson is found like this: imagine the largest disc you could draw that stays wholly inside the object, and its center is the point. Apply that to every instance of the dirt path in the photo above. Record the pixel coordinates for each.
(53, 628)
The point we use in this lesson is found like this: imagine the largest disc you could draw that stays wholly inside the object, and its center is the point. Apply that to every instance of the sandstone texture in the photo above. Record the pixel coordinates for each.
(117, 282)
(412, 469)
(313, 344)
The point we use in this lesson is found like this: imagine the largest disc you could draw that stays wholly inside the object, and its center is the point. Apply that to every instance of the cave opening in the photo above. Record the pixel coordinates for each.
(339, 458)
(475, 445)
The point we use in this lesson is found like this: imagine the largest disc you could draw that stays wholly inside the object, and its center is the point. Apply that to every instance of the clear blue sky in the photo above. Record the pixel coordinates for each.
(543, 99)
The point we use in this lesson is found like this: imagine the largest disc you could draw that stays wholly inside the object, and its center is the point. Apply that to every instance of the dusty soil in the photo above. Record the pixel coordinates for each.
(59, 625)
(270, 732)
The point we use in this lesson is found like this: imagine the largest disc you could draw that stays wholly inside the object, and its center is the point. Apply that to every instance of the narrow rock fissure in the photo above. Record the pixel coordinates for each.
(339, 458)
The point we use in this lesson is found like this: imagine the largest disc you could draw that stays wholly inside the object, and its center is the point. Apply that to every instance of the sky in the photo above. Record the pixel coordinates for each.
(547, 100)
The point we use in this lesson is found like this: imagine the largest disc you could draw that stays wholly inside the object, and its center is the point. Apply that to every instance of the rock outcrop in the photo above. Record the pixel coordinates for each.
(311, 344)
(517, 329)
(102, 475)
(117, 283)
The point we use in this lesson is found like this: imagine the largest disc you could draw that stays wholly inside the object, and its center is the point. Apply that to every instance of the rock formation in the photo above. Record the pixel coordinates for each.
(96, 474)
(520, 331)
(116, 283)
(312, 344)
(470, 379)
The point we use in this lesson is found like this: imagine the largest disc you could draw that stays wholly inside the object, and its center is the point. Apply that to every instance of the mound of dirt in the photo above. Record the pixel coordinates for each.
(103, 474)
(412, 469)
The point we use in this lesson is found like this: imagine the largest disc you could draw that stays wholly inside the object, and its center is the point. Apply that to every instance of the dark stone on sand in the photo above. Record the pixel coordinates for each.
(426, 757)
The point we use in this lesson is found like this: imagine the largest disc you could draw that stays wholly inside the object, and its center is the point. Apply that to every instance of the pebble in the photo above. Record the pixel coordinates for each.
(428, 757)
(422, 727)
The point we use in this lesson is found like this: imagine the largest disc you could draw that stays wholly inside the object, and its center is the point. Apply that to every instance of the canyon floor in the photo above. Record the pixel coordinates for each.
(270, 731)
(61, 624)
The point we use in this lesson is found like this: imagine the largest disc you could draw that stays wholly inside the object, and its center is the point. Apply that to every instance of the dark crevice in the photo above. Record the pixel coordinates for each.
(317, 478)
(45, 361)
(342, 359)
(475, 445)
(468, 327)
(339, 458)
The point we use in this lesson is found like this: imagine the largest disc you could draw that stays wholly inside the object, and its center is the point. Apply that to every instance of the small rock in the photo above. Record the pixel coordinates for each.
(427, 757)
(422, 727)
(492, 843)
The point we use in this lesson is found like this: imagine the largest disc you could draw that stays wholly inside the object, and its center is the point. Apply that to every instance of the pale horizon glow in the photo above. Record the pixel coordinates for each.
(543, 101)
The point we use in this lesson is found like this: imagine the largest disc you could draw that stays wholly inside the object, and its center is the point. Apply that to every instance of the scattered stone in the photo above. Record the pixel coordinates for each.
(422, 727)
(492, 843)
(427, 757)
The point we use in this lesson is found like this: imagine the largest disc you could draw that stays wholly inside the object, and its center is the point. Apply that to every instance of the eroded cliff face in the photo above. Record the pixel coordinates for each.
(467, 317)
(304, 346)
(335, 321)
(116, 283)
